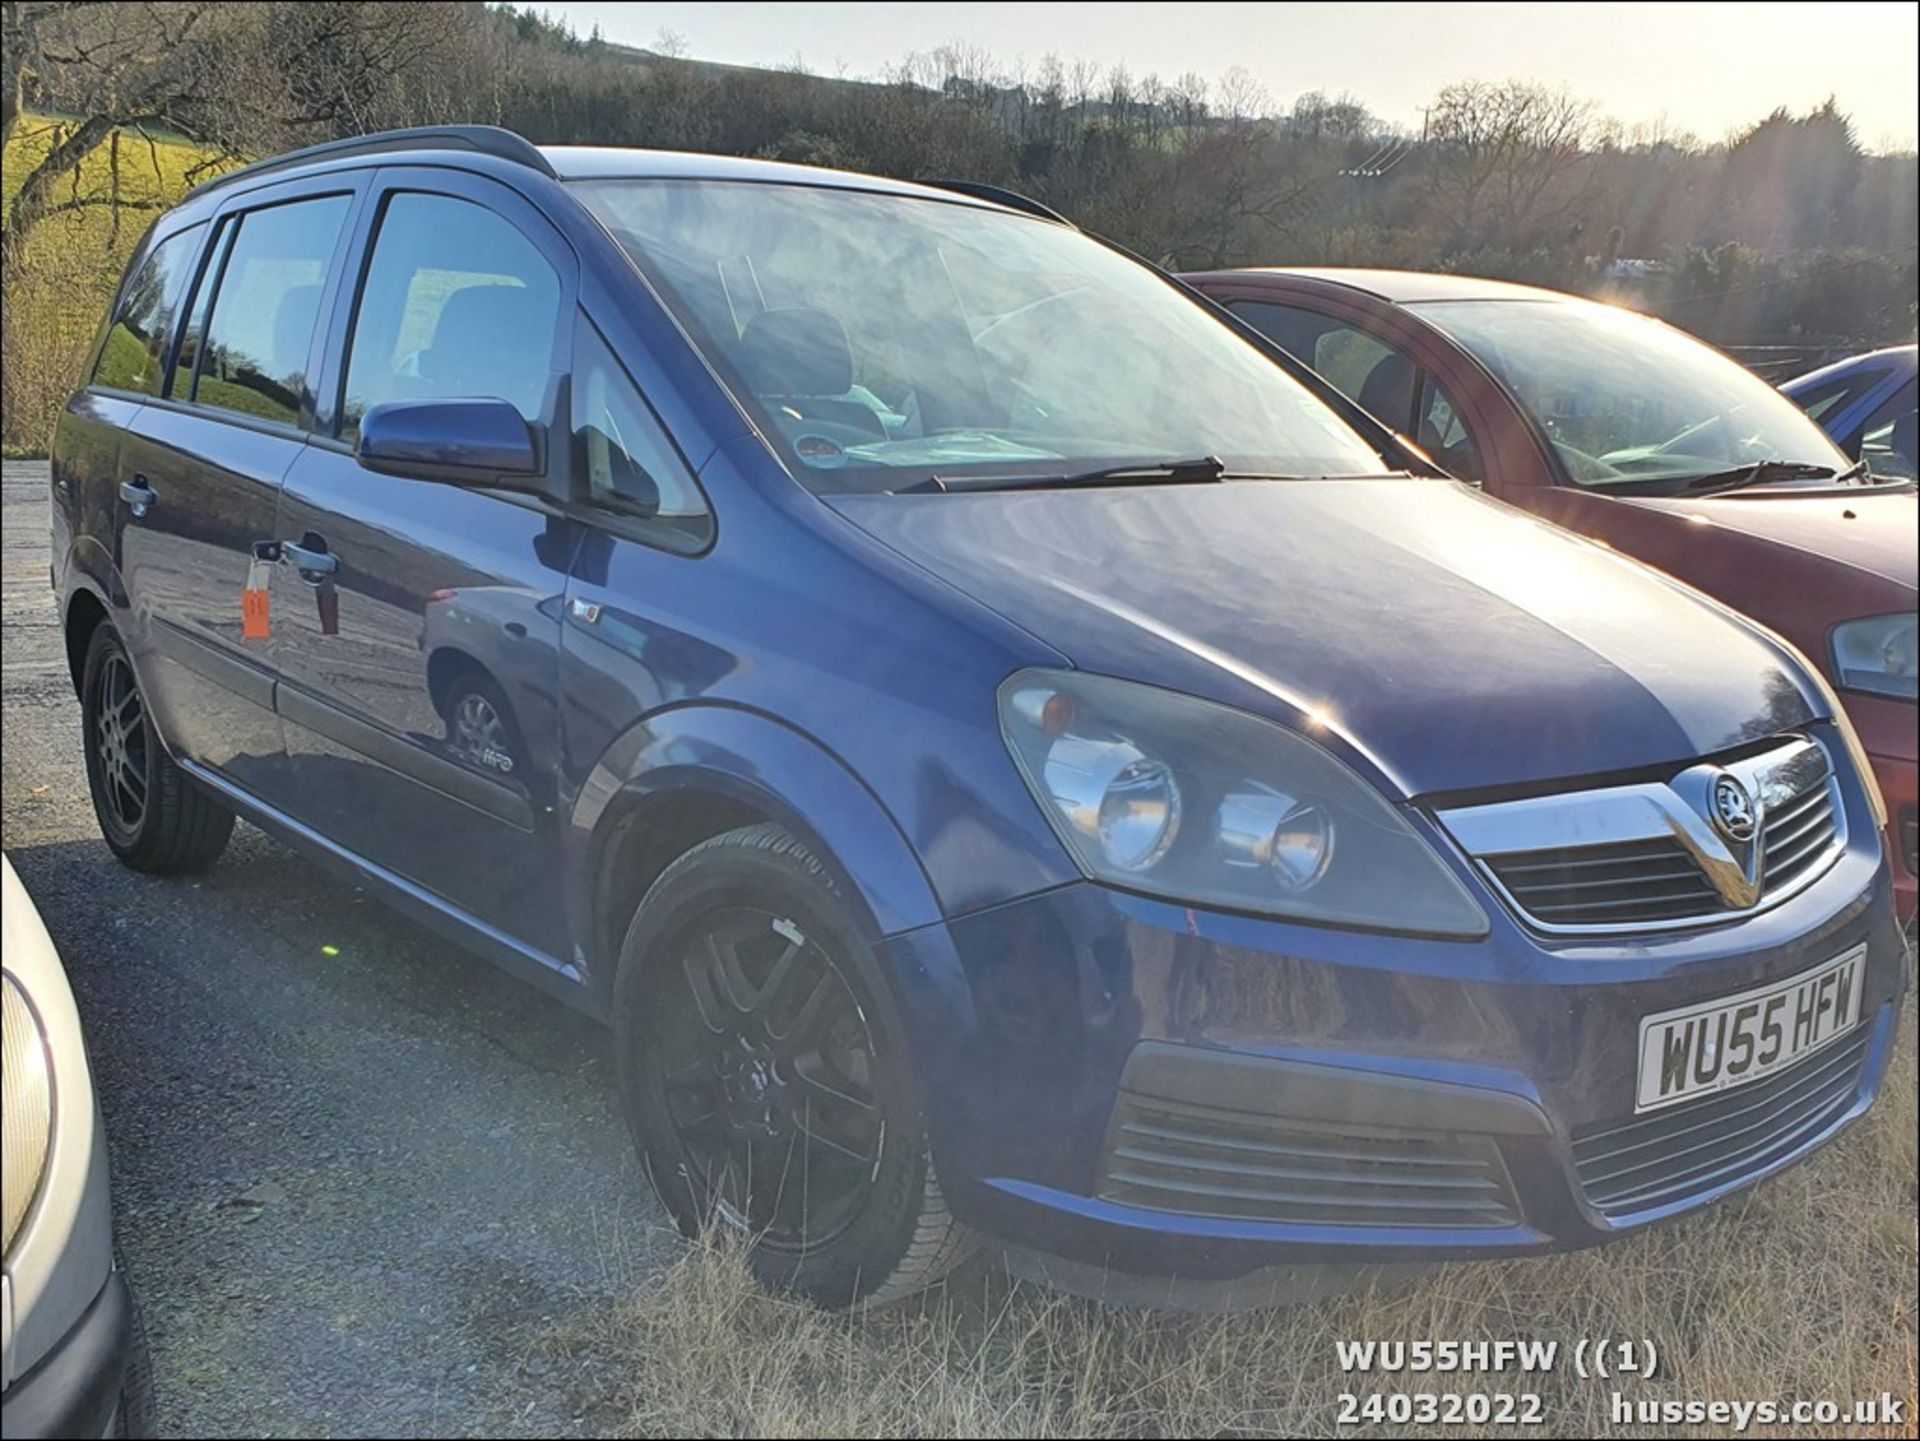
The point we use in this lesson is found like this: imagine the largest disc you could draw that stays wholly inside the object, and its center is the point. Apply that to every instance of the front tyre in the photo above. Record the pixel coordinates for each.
(135, 1415)
(152, 817)
(764, 1069)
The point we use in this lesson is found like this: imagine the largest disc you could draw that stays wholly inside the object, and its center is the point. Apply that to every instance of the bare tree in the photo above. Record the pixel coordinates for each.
(1317, 115)
(1500, 149)
(351, 66)
(109, 71)
(1240, 98)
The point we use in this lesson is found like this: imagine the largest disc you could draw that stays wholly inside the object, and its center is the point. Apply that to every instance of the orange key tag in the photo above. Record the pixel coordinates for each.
(256, 621)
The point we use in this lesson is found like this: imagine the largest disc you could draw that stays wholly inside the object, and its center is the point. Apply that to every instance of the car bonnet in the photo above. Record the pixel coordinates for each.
(1455, 643)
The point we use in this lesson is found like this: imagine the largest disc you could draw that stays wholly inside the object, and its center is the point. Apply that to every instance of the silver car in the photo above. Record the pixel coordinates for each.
(74, 1355)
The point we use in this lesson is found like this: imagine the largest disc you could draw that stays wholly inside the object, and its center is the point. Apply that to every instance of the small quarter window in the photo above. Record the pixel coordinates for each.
(623, 453)
(1443, 434)
(134, 356)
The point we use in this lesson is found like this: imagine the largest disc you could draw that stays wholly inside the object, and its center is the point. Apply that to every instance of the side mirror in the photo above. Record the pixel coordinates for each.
(482, 443)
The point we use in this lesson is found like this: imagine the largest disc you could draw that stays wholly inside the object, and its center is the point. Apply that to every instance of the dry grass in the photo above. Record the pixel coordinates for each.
(1805, 1289)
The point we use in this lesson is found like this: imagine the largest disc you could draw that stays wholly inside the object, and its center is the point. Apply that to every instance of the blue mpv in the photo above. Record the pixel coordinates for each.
(1012, 756)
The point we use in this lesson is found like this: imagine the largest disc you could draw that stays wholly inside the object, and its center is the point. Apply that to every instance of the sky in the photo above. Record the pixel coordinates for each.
(1703, 68)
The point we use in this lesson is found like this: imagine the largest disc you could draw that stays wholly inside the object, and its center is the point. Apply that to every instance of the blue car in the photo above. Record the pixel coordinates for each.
(1868, 405)
(1011, 755)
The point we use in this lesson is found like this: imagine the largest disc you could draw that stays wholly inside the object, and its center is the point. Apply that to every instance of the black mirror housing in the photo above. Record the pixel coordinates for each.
(482, 443)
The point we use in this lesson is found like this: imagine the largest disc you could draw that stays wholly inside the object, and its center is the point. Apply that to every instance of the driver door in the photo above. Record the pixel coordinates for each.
(417, 625)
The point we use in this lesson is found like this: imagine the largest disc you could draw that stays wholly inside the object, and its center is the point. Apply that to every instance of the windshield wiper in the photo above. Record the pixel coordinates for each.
(1760, 472)
(1197, 471)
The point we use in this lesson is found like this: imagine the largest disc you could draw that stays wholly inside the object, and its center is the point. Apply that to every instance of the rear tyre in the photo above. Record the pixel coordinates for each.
(763, 1065)
(151, 815)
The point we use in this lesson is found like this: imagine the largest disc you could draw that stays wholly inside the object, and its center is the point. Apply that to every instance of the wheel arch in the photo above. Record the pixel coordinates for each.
(692, 772)
(84, 613)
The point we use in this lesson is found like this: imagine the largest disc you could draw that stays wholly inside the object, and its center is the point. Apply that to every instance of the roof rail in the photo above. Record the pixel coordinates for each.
(483, 139)
(1000, 195)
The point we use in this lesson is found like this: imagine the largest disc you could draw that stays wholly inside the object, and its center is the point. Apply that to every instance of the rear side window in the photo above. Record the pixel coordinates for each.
(134, 356)
(265, 304)
(1836, 395)
(458, 304)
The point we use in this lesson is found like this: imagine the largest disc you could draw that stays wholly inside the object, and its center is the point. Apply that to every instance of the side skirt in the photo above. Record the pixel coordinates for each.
(557, 978)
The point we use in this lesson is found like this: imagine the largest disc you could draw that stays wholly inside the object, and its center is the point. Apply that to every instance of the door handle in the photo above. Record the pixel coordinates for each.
(314, 565)
(138, 495)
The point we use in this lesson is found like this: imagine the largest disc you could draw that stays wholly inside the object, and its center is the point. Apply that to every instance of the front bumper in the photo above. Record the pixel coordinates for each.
(1088, 1029)
(76, 1387)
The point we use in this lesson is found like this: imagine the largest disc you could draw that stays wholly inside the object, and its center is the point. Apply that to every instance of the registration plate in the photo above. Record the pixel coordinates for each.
(1735, 1040)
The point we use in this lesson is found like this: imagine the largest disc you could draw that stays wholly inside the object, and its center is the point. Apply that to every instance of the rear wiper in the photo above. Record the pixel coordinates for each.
(1760, 472)
(1199, 470)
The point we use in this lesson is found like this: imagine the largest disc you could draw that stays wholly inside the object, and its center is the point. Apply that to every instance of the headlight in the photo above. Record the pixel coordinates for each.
(1878, 655)
(1177, 797)
(28, 1087)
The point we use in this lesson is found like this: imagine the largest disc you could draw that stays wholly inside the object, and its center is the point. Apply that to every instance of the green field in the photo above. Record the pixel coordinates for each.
(73, 260)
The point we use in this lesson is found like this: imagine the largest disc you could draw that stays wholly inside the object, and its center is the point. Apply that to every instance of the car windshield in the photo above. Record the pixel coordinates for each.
(1628, 400)
(882, 340)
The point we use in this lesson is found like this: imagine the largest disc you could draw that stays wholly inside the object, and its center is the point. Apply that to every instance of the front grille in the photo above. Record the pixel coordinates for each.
(1799, 835)
(1647, 854)
(1635, 882)
(1201, 1161)
(1625, 884)
(1690, 1149)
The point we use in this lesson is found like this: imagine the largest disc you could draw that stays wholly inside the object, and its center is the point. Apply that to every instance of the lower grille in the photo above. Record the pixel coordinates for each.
(1693, 1148)
(1199, 1161)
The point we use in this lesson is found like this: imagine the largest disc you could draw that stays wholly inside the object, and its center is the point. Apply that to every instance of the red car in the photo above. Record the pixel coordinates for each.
(1638, 436)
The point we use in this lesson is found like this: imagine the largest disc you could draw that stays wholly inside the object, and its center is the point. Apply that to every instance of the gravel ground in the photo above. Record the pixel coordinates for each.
(352, 1187)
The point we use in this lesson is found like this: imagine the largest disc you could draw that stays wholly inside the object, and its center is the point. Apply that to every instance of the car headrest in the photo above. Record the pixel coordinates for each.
(1387, 392)
(495, 331)
(796, 351)
(293, 321)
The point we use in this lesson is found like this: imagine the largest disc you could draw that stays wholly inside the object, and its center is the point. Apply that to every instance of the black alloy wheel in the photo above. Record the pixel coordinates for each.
(764, 1063)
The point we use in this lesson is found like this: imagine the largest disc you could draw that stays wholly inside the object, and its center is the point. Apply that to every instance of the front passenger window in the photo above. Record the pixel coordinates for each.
(458, 305)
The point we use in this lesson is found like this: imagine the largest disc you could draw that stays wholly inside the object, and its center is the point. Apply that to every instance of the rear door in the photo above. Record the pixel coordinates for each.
(416, 624)
(128, 369)
(202, 466)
